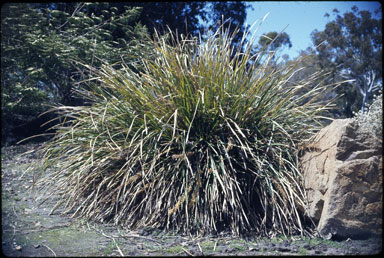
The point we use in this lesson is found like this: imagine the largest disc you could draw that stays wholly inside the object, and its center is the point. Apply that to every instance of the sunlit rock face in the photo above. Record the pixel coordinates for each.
(343, 180)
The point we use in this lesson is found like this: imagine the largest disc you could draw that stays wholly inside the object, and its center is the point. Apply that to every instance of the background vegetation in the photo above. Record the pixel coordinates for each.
(41, 43)
(39, 51)
(350, 47)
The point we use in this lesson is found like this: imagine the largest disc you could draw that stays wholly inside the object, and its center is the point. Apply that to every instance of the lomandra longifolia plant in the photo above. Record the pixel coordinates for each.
(201, 141)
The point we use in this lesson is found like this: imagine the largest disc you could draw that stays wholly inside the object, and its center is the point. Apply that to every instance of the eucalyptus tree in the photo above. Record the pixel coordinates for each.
(191, 17)
(350, 47)
(273, 40)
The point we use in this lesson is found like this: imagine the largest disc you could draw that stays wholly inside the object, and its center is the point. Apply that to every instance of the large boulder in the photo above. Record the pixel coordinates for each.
(343, 181)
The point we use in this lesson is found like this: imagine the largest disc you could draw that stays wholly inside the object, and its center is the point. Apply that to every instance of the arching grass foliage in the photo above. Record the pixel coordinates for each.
(202, 141)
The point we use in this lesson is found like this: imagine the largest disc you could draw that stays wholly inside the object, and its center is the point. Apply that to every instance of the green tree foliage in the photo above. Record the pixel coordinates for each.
(17, 29)
(40, 46)
(190, 17)
(350, 47)
(235, 12)
(273, 40)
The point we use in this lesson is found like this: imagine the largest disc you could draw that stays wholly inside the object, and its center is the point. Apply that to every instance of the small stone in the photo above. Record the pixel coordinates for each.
(229, 250)
(283, 247)
(36, 246)
(18, 248)
(253, 248)
(144, 232)
(328, 236)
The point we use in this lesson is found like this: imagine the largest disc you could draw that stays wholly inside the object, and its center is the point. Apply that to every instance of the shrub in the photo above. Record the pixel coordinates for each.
(371, 121)
(202, 141)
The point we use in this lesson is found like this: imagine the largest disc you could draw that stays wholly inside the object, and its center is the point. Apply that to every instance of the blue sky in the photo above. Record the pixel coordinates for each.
(302, 17)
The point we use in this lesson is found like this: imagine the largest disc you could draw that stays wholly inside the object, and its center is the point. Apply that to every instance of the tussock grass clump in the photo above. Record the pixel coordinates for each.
(202, 140)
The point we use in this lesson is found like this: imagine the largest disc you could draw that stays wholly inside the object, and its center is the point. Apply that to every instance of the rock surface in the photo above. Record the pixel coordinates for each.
(343, 181)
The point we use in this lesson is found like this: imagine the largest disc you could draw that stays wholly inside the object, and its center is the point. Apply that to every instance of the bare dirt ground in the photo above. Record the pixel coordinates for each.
(28, 230)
